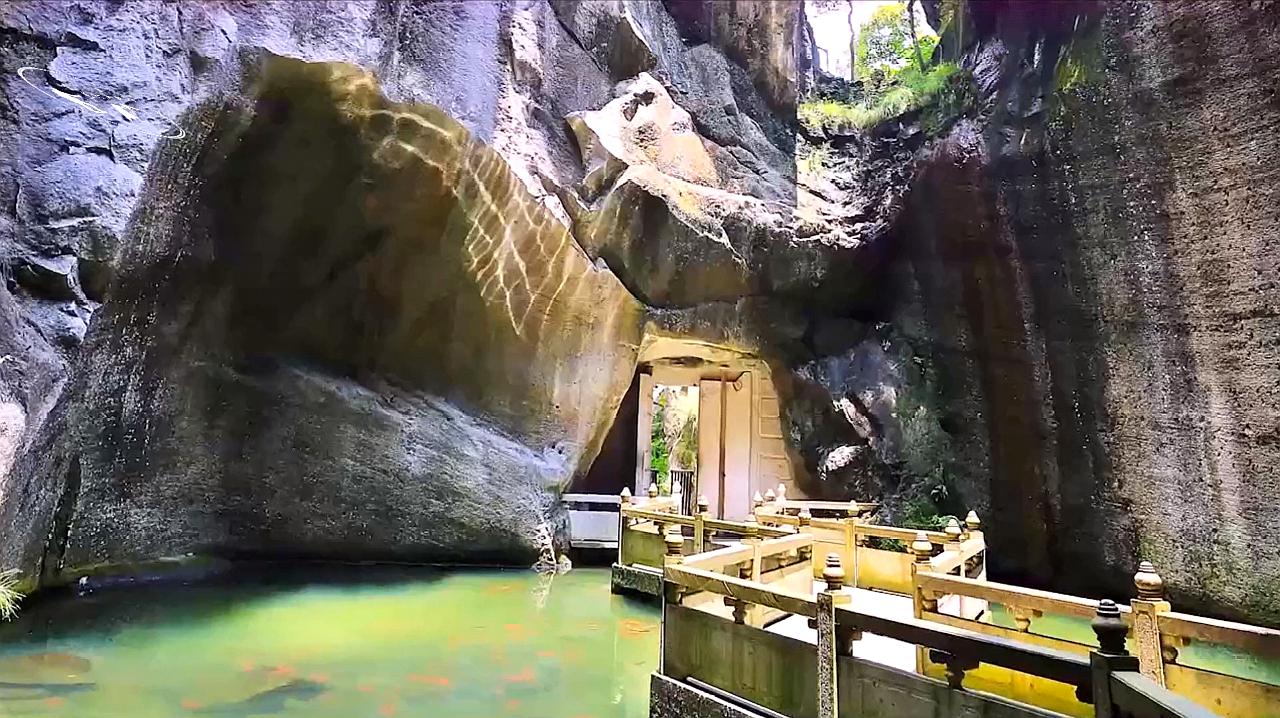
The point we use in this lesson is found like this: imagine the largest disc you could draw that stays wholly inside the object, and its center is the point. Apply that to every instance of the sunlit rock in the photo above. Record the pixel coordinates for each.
(356, 335)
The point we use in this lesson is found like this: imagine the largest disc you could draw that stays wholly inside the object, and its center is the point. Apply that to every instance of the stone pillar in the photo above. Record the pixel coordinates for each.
(832, 640)
(701, 535)
(922, 551)
(1147, 608)
(624, 503)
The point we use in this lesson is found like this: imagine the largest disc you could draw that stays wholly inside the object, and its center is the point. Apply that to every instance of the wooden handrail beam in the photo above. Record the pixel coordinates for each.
(901, 534)
(1027, 658)
(788, 520)
(719, 558)
(950, 560)
(790, 542)
(848, 507)
(1009, 595)
(1254, 639)
(1138, 696)
(743, 529)
(664, 517)
(696, 579)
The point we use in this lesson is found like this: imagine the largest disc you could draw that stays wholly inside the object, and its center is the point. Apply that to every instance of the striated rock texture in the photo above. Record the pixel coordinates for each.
(1091, 268)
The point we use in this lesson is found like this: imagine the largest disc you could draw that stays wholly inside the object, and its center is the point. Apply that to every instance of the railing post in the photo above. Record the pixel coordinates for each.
(803, 520)
(954, 533)
(832, 641)
(653, 490)
(740, 607)
(851, 549)
(921, 551)
(975, 567)
(674, 540)
(972, 523)
(1147, 608)
(624, 502)
(699, 530)
(1111, 656)
(782, 495)
(804, 517)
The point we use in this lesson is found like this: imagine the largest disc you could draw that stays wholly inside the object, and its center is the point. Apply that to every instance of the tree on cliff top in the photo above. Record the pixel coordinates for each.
(890, 41)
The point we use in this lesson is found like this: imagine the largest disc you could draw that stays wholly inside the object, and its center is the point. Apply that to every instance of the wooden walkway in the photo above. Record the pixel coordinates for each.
(809, 616)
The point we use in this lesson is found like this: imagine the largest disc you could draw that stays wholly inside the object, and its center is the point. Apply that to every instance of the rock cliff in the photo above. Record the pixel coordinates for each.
(351, 280)
(1089, 260)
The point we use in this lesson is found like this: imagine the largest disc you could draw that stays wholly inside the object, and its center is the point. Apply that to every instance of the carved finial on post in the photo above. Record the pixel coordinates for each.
(704, 506)
(626, 496)
(1149, 584)
(855, 509)
(782, 493)
(805, 517)
(971, 522)
(757, 501)
(653, 490)
(833, 572)
(921, 548)
(953, 530)
(770, 497)
(674, 540)
(1110, 629)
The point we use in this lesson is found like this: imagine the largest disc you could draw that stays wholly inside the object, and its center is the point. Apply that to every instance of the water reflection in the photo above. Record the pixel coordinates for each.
(405, 642)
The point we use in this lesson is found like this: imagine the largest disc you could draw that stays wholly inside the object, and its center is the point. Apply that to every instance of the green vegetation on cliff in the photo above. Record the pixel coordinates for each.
(9, 594)
(907, 90)
(893, 73)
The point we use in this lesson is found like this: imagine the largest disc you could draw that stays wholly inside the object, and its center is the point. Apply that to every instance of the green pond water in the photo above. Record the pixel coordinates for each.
(406, 643)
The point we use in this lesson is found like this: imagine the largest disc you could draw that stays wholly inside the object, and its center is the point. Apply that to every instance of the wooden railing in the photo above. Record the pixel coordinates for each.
(644, 524)
(755, 668)
(879, 557)
(725, 564)
(1155, 635)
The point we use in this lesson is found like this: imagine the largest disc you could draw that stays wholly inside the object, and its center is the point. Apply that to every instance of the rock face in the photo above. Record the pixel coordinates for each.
(335, 324)
(1093, 264)
(353, 361)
